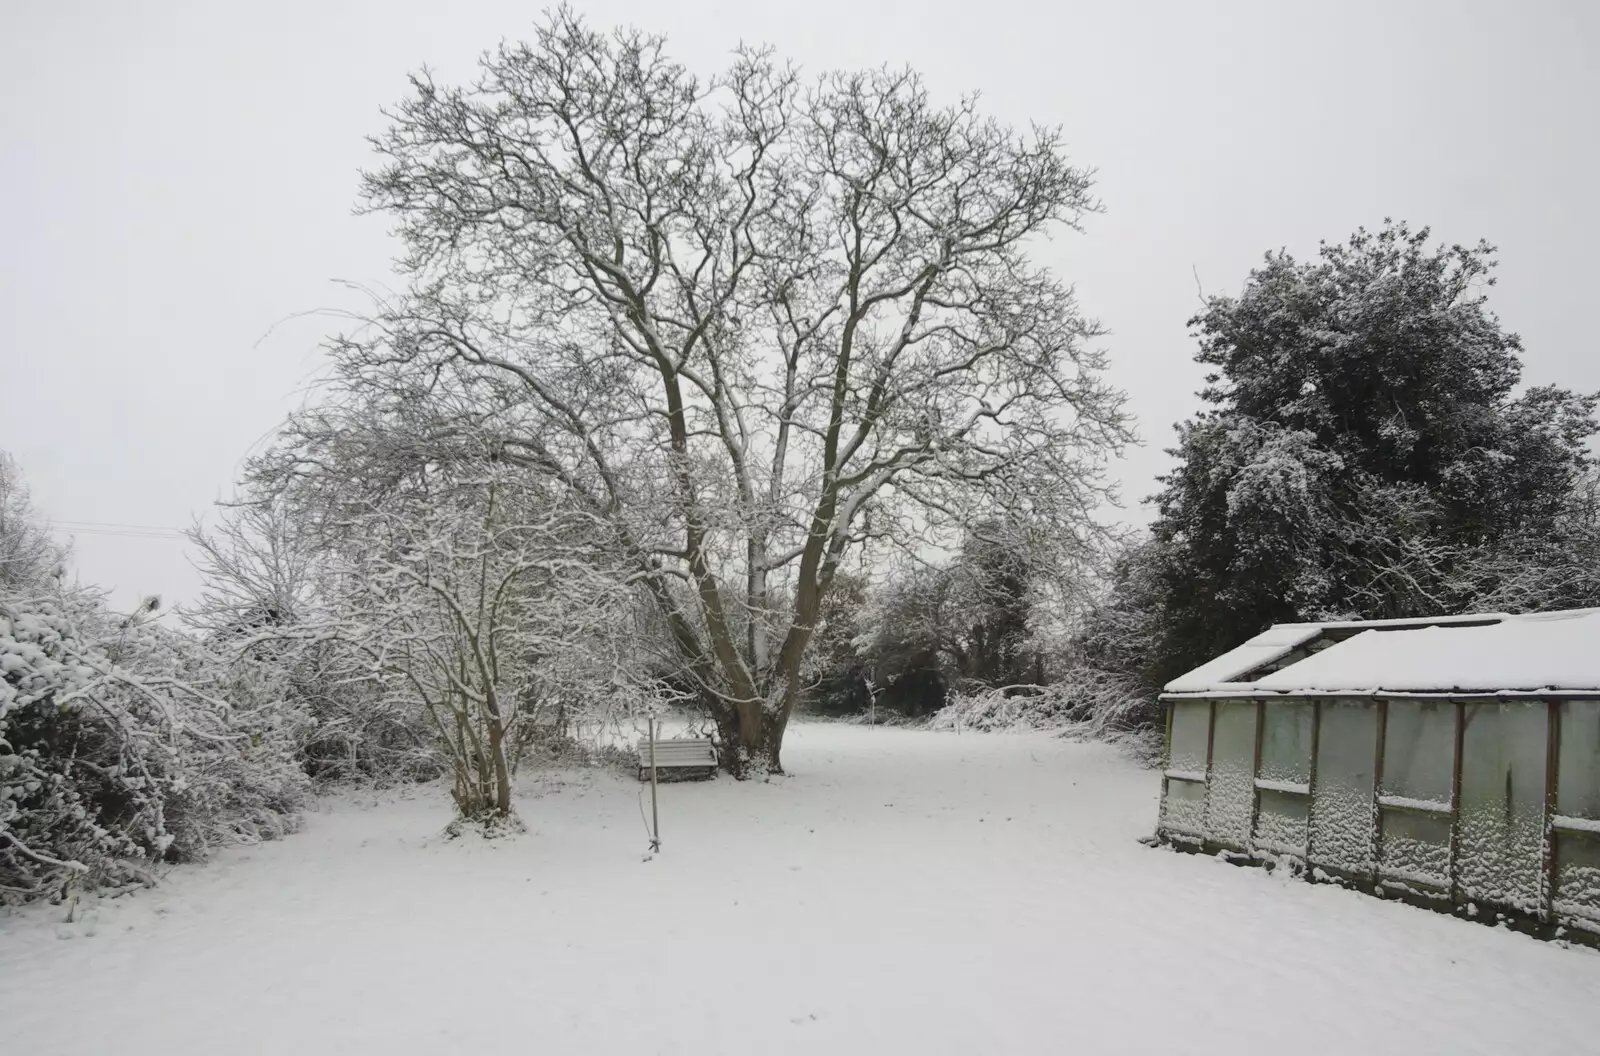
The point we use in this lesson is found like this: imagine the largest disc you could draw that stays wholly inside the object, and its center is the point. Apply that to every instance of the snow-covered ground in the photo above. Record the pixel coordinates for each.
(901, 892)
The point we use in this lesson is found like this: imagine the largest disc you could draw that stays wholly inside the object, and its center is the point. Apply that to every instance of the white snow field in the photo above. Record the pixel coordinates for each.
(900, 892)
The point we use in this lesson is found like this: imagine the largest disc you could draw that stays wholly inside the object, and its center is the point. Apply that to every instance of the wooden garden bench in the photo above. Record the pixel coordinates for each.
(681, 757)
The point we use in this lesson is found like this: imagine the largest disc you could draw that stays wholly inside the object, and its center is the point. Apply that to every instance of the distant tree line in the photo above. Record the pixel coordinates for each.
(668, 356)
(744, 395)
(1364, 450)
(909, 637)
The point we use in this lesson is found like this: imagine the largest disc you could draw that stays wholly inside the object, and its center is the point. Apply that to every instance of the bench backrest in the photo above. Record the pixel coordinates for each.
(684, 751)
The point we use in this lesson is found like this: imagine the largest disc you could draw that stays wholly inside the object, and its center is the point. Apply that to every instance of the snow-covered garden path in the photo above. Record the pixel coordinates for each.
(900, 892)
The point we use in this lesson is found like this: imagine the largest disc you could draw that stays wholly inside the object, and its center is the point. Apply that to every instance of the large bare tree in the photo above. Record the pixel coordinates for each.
(752, 322)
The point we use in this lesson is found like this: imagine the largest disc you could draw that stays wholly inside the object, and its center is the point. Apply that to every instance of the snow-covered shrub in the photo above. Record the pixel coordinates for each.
(244, 785)
(79, 794)
(266, 603)
(123, 743)
(1087, 703)
(358, 733)
(1004, 709)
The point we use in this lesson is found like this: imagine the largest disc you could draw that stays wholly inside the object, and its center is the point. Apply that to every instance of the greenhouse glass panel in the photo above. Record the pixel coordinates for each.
(1578, 777)
(1419, 750)
(1578, 875)
(1281, 823)
(1191, 723)
(1501, 850)
(1342, 802)
(1183, 808)
(1232, 792)
(1416, 847)
(1286, 743)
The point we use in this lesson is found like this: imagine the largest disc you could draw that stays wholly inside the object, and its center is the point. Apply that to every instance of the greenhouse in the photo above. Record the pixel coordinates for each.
(1452, 762)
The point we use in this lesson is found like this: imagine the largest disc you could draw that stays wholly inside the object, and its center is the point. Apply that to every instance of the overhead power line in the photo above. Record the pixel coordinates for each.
(118, 530)
(114, 524)
(82, 533)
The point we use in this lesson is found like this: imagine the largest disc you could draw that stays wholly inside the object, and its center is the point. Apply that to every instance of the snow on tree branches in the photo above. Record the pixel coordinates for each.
(1364, 453)
(752, 323)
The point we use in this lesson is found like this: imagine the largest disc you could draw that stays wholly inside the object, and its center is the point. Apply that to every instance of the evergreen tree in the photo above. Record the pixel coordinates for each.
(1362, 453)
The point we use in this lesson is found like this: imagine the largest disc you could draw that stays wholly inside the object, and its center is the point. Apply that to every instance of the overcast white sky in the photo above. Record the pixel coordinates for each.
(178, 177)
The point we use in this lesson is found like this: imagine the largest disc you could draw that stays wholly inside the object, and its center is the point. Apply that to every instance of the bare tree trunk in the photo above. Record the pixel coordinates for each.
(896, 307)
(502, 773)
(752, 735)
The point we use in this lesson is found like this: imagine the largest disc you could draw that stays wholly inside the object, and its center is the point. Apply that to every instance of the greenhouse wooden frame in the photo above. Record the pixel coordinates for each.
(1489, 837)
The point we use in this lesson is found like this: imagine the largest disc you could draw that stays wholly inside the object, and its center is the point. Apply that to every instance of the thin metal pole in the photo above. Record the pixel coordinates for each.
(1455, 805)
(1376, 838)
(1211, 740)
(1552, 839)
(655, 817)
(1255, 772)
(1312, 783)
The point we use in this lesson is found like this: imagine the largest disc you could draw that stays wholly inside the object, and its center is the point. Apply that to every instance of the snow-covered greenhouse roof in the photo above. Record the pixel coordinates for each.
(1490, 654)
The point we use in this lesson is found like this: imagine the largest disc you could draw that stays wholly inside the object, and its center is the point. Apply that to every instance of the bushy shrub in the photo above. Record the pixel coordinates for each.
(124, 744)
(1087, 703)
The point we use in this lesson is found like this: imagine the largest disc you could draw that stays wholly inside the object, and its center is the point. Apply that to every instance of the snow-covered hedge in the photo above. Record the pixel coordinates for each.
(1087, 703)
(124, 744)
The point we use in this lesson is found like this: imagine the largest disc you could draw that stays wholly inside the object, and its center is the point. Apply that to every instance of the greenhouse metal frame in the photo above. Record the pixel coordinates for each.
(1452, 763)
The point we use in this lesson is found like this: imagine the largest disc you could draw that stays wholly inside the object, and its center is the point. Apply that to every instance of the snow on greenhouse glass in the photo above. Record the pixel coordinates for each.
(1419, 751)
(1231, 794)
(1577, 891)
(1501, 850)
(1191, 724)
(1341, 803)
(1416, 846)
(1285, 777)
(1578, 776)
(1183, 807)
(1286, 743)
(1281, 822)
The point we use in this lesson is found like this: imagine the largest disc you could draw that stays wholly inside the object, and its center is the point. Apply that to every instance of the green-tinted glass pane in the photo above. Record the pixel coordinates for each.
(1232, 787)
(1286, 742)
(1342, 803)
(1578, 779)
(1419, 750)
(1503, 757)
(1191, 720)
